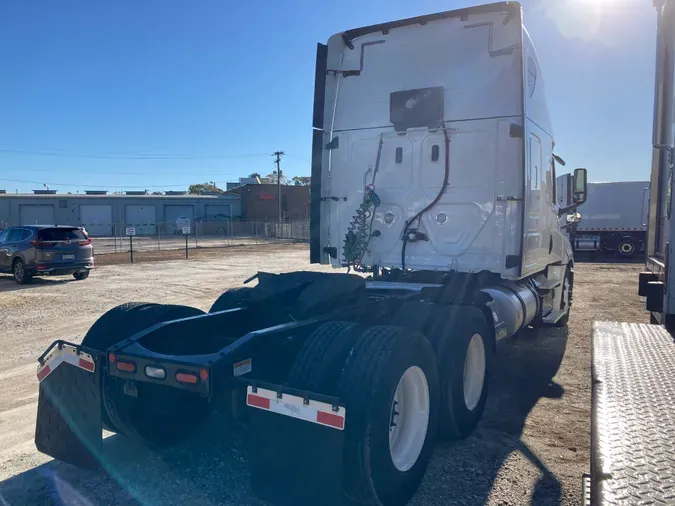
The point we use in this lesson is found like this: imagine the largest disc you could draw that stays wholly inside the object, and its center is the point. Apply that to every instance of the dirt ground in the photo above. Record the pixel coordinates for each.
(531, 447)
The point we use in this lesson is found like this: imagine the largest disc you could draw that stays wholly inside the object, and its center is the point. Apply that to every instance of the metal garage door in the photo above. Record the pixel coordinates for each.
(216, 220)
(36, 214)
(143, 217)
(97, 219)
(173, 212)
(217, 210)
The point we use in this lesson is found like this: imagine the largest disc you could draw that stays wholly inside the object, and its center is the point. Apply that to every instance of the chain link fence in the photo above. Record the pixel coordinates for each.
(203, 234)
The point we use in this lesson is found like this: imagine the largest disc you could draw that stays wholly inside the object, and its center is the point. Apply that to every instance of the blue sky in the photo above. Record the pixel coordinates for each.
(215, 87)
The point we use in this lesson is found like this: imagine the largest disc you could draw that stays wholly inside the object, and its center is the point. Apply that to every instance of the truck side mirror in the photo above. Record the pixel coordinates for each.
(580, 186)
(573, 218)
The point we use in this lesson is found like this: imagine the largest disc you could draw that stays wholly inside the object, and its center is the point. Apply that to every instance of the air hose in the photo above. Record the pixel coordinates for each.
(418, 216)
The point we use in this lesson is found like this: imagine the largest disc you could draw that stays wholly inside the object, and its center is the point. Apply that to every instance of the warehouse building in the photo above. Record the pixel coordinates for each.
(105, 215)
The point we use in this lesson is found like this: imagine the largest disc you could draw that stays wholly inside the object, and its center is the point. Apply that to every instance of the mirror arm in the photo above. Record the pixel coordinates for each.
(571, 207)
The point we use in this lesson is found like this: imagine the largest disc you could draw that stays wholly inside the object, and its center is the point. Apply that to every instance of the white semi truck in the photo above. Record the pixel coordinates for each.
(433, 179)
(614, 217)
(633, 399)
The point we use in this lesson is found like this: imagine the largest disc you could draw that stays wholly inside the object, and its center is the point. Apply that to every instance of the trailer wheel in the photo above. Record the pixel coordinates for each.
(627, 247)
(319, 362)
(235, 297)
(460, 338)
(158, 415)
(390, 388)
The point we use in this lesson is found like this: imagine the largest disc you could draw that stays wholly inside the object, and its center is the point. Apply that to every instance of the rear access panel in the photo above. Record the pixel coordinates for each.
(633, 415)
(68, 425)
(295, 448)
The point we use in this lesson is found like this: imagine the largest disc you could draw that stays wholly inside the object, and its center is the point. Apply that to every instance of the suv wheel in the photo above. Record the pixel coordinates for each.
(20, 274)
(80, 275)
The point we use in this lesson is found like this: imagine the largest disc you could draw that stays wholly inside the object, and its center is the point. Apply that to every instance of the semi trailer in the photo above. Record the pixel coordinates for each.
(433, 173)
(614, 218)
(633, 401)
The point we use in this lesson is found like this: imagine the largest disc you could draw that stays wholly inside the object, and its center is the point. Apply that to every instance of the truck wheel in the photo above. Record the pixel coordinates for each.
(460, 338)
(566, 302)
(235, 297)
(390, 388)
(319, 362)
(158, 415)
(627, 247)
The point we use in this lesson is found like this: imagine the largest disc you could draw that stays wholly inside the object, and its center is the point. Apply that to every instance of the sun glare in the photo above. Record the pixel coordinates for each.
(587, 19)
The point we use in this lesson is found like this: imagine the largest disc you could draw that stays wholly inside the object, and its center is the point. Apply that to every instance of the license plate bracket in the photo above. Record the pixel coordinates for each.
(69, 257)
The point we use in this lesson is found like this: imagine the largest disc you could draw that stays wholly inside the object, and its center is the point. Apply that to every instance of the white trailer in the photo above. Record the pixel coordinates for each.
(614, 218)
(433, 177)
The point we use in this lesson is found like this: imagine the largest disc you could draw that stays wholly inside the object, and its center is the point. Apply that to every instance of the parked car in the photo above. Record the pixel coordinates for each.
(38, 250)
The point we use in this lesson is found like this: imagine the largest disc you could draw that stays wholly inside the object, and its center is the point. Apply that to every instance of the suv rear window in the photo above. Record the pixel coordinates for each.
(61, 234)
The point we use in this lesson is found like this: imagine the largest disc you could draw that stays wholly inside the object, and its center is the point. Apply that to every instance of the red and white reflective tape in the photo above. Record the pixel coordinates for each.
(295, 407)
(66, 353)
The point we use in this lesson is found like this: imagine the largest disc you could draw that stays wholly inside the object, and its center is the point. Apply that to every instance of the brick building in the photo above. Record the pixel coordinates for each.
(260, 202)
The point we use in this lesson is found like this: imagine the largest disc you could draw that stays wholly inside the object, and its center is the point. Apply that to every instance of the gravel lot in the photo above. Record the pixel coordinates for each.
(531, 447)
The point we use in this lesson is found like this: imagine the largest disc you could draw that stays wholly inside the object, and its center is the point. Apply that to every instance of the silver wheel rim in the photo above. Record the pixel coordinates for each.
(409, 419)
(626, 248)
(474, 372)
(18, 271)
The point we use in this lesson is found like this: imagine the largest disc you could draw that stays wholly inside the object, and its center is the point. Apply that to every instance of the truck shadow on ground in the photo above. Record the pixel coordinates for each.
(211, 468)
(468, 471)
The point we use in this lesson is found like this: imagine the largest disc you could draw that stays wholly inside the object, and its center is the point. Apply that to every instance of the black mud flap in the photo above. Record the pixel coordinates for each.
(292, 460)
(68, 424)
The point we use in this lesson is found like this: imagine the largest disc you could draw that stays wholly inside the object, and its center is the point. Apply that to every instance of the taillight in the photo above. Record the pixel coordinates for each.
(42, 244)
(85, 243)
(187, 377)
(125, 366)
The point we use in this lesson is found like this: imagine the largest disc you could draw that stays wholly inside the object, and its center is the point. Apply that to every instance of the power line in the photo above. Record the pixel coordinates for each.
(131, 157)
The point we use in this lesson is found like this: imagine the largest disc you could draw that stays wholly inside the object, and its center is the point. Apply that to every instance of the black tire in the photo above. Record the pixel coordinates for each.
(319, 363)
(626, 247)
(81, 275)
(567, 285)
(367, 385)
(19, 272)
(158, 415)
(454, 328)
(230, 299)
(415, 315)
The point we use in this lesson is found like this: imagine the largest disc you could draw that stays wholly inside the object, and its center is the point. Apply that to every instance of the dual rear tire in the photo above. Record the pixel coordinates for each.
(401, 390)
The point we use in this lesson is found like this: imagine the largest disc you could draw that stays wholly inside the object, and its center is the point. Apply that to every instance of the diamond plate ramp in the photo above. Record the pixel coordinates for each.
(633, 420)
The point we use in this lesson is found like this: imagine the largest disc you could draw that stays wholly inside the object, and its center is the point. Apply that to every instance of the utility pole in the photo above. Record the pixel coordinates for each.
(278, 155)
